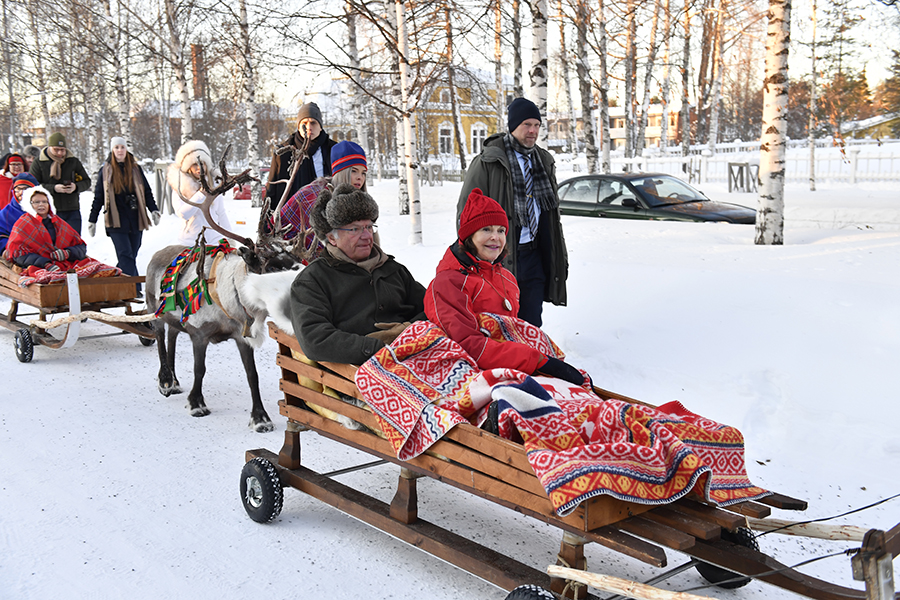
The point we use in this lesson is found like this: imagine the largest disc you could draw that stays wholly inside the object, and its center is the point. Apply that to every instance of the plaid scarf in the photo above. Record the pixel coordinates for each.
(192, 298)
(296, 211)
(30, 236)
(542, 189)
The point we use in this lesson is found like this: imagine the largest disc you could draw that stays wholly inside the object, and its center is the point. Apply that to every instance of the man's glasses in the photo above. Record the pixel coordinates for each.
(358, 230)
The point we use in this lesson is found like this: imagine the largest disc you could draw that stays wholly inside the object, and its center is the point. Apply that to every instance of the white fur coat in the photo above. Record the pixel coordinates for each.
(182, 181)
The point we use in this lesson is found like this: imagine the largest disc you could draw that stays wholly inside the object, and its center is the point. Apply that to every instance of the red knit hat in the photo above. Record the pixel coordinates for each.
(480, 211)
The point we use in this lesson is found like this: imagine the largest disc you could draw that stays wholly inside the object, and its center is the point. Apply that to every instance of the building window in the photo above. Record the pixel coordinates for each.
(479, 134)
(445, 139)
(618, 123)
(445, 96)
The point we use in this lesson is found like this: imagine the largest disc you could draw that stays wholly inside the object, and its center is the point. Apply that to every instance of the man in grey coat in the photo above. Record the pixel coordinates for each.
(520, 175)
(351, 301)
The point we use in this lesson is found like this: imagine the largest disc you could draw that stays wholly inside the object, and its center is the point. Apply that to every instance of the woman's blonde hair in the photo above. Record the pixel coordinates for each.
(343, 176)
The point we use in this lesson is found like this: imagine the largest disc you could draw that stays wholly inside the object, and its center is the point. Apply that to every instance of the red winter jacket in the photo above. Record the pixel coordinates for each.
(465, 286)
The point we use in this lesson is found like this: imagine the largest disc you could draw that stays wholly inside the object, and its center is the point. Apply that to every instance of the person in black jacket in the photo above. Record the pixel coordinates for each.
(318, 156)
(64, 175)
(125, 196)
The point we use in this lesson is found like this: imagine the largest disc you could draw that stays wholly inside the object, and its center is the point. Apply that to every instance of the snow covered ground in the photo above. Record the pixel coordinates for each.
(110, 490)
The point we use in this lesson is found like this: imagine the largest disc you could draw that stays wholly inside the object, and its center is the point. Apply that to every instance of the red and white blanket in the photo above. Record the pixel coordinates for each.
(86, 267)
(579, 446)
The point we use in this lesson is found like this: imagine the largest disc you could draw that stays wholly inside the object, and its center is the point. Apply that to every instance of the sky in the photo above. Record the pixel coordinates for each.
(111, 490)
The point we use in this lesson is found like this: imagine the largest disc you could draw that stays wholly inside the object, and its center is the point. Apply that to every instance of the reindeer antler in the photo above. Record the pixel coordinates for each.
(298, 155)
(228, 182)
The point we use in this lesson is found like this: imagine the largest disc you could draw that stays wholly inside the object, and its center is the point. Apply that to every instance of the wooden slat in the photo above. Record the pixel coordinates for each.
(628, 545)
(729, 521)
(750, 509)
(348, 371)
(318, 375)
(605, 510)
(339, 406)
(499, 448)
(433, 467)
(656, 532)
(690, 525)
(784, 502)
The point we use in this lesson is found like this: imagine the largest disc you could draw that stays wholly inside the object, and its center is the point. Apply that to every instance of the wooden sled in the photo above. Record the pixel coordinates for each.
(497, 469)
(86, 297)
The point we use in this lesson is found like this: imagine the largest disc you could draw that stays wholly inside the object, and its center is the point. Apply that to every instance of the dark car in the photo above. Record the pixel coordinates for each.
(654, 196)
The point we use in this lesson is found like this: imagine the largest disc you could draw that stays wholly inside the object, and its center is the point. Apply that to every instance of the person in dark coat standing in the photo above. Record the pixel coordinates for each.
(64, 175)
(521, 176)
(318, 156)
(125, 196)
(354, 299)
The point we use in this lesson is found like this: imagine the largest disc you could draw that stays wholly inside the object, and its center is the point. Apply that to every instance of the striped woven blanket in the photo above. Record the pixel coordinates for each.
(579, 446)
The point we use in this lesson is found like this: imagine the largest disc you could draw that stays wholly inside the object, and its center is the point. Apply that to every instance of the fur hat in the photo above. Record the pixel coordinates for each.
(57, 139)
(189, 154)
(520, 110)
(117, 141)
(480, 211)
(345, 204)
(32, 150)
(26, 199)
(346, 154)
(310, 110)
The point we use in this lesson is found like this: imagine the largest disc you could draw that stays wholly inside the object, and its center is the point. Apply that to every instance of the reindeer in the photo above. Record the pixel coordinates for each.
(248, 286)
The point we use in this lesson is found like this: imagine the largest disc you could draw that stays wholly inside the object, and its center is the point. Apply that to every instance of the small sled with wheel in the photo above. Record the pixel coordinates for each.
(718, 540)
(82, 299)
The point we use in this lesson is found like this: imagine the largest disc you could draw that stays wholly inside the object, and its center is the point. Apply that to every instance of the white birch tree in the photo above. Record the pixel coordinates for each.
(606, 137)
(115, 45)
(538, 72)
(811, 129)
(248, 68)
(583, 74)
(666, 81)
(571, 140)
(648, 78)
(411, 159)
(773, 139)
(498, 62)
(179, 68)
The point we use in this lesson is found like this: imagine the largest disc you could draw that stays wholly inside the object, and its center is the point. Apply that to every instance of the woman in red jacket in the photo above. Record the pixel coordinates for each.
(470, 279)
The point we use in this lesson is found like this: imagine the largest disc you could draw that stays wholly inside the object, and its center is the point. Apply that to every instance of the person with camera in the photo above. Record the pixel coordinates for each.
(64, 175)
(125, 196)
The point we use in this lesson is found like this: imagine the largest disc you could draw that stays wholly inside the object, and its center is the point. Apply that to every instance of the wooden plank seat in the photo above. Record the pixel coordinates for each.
(497, 470)
(54, 297)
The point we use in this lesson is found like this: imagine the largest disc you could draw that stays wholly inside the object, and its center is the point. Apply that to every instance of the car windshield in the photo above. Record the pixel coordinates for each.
(661, 190)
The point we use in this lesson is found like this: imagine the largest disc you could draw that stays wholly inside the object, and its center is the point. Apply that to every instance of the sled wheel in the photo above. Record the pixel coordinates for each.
(261, 490)
(24, 346)
(713, 574)
(145, 341)
(529, 592)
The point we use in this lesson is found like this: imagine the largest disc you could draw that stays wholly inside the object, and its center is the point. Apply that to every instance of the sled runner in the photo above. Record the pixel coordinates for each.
(498, 470)
(81, 298)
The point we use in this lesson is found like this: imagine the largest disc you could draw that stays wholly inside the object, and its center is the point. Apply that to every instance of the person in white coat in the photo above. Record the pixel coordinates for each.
(183, 177)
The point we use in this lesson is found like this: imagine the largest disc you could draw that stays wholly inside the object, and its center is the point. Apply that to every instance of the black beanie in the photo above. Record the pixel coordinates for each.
(520, 110)
(310, 110)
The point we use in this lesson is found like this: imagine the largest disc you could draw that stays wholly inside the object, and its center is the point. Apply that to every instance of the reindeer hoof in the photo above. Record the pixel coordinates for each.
(262, 426)
(167, 389)
(200, 411)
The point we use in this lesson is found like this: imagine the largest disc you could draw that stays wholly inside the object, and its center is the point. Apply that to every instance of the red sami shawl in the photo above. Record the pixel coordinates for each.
(29, 236)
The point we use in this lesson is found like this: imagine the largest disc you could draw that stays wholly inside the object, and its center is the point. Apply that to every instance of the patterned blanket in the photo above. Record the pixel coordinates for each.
(86, 267)
(196, 293)
(579, 446)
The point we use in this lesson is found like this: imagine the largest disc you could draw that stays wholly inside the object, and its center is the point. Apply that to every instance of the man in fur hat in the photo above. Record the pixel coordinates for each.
(354, 299)
(318, 155)
(63, 174)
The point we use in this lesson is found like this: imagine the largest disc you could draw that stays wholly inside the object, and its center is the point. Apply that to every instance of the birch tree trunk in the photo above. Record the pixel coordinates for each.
(773, 140)
(397, 99)
(648, 78)
(518, 89)
(356, 107)
(719, 66)
(686, 83)
(412, 179)
(664, 119)
(39, 63)
(571, 140)
(538, 73)
(811, 128)
(498, 62)
(13, 134)
(630, 75)
(176, 49)
(458, 131)
(582, 71)
(249, 98)
(606, 137)
(164, 149)
(123, 111)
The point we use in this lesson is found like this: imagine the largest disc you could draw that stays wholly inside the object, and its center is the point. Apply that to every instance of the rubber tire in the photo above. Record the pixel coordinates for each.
(261, 491)
(529, 592)
(24, 345)
(146, 342)
(713, 574)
